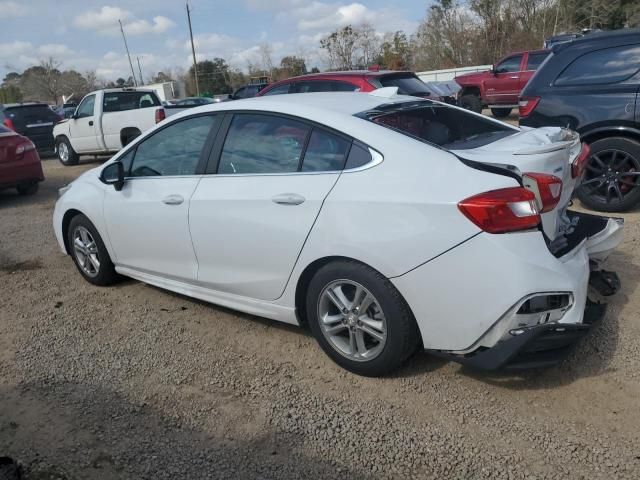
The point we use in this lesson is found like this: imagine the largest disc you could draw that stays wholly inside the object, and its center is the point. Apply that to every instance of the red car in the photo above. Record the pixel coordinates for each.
(20, 165)
(500, 87)
(350, 81)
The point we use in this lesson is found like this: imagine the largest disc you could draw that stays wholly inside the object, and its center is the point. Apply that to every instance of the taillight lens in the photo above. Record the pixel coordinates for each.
(580, 162)
(160, 115)
(526, 105)
(546, 188)
(501, 211)
(7, 122)
(24, 147)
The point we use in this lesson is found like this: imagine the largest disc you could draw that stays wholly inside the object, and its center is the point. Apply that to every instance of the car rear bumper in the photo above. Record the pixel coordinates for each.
(539, 346)
(18, 172)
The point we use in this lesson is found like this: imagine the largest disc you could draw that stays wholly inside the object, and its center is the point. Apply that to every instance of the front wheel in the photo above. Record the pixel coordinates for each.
(501, 112)
(89, 253)
(611, 181)
(471, 102)
(66, 153)
(359, 318)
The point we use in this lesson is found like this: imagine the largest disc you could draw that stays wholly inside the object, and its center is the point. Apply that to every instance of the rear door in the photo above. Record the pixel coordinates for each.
(83, 129)
(503, 87)
(251, 215)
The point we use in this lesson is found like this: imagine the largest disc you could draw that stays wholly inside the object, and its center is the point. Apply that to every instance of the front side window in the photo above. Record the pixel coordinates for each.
(325, 152)
(174, 150)
(280, 90)
(536, 59)
(609, 65)
(86, 107)
(121, 101)
(262, 144)
(511, 64)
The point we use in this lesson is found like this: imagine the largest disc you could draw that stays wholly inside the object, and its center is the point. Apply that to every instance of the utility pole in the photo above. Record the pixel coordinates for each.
(193, 51)
(140, 71)
(133, 74)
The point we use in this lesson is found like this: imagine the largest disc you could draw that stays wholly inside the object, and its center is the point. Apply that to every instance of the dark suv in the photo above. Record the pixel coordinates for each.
(591, 85)
(32, 120)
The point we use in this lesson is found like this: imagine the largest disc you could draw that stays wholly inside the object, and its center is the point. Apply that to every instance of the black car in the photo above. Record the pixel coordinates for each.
(247, 91)
(591, 85)
(33, 120)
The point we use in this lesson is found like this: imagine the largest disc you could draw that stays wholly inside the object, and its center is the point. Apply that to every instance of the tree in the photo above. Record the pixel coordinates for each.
(266, 52)
(10, 94)
(161, 77)
(341, 47)
(368, 44)
(395, 52)
(292, 66)
(213, 77)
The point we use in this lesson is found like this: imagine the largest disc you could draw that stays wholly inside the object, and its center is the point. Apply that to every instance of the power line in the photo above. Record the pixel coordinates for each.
(193, 50)
(140, 70)
(135, 82)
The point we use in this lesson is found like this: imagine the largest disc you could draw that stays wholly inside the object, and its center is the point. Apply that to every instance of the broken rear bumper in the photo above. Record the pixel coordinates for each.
(539, 346)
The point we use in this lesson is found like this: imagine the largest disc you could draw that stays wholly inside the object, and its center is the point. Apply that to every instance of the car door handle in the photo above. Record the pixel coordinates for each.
(173, 199)
(91, 123)
(288, 199)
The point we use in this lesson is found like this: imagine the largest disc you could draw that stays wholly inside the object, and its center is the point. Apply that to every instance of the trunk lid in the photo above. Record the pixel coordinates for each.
(549, 150)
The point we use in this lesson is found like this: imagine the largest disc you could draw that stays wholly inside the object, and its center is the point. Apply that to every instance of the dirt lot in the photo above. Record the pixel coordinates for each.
(135, 382)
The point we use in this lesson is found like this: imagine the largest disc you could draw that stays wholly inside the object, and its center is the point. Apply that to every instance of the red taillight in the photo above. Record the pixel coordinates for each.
(24, 147)
(546, 188)
(160, 115)
(526, 105)
(580, 162)
(501, 211)
(7, 122)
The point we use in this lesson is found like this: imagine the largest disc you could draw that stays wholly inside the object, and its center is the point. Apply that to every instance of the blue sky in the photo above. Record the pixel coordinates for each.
(84, 34)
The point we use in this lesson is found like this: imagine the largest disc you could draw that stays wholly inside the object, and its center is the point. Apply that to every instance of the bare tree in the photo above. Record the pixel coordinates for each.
(341, 47)
(266, 52)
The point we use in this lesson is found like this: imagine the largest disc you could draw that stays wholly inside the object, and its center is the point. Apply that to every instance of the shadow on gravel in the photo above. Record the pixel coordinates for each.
(68, 431)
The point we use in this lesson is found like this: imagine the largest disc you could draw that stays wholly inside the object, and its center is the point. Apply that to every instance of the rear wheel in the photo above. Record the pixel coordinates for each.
(359, 318)
(27, 188)
(612, 177)
(89, 253)
(501, 112)
(471, 102)
(66, 153)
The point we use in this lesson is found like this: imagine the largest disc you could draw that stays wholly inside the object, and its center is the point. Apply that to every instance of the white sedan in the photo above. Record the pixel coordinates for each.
(384, 223)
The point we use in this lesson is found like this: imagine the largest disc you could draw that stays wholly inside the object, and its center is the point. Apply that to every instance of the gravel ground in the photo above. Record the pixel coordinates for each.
(135, 382)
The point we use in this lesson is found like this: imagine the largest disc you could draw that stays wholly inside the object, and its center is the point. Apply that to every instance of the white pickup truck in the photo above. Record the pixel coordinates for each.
(105, 121)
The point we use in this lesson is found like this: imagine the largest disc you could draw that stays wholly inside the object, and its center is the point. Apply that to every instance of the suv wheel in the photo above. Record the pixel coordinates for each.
(66, 153)
(359, 318)
(501, 112)
(612, 177)
(471, 102)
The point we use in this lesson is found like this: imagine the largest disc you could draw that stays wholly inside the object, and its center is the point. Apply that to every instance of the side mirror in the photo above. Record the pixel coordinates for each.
(113, 174)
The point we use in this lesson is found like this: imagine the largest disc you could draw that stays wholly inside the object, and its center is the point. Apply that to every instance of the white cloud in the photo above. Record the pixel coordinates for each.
(13, 9)
(20, 55)
(105, 21)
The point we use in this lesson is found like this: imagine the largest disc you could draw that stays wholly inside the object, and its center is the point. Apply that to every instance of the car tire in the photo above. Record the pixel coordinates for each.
(90, 255)
(471, 102)
(501, 112)
(349, 341)
(27, 188)
(65, 152)
(617, 160)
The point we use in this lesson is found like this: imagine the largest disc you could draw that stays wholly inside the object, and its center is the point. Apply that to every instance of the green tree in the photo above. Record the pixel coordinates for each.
(292, 66)
(10, 94)
(396, 52)
(213, 77)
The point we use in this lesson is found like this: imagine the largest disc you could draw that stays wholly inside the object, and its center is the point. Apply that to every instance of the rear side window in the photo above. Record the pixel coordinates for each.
(535, 60)
(323, 86)
(407, 84)
(280, 90)
(609, 65)
(447, 127)
(262, 144)
(325, 152)
(32, 113)
(121, 101)
(359, 156)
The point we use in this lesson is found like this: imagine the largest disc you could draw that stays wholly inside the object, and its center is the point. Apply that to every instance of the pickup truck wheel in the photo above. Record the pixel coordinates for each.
(501, 112)
(611, 180)
(471, 102)
(66, 153)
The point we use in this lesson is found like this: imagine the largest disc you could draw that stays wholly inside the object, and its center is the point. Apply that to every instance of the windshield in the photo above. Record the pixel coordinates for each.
(441, 125)
(408, 84)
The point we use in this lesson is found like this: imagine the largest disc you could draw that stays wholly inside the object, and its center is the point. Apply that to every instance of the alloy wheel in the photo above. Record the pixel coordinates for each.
(63, 152)
(611, 175)
(352, 320)
(86, 251)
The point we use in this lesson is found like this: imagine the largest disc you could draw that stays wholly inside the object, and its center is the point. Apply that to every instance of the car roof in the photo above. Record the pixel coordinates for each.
(22, 104)
(347, 73)
(607, 38)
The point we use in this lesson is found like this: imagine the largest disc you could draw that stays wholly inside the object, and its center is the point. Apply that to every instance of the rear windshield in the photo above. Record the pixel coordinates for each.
(441, 125)
(31, 112)
(407, 84)
(120, 101)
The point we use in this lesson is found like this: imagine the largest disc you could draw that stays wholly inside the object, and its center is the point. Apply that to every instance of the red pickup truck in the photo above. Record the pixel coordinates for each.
(499, 87)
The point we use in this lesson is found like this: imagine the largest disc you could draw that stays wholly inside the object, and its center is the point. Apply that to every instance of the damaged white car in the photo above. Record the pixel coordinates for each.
(383, 222)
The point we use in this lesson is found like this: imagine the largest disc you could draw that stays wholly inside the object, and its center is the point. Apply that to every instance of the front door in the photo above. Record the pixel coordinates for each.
(250, 218)
(147, 221)
(503, 87)
(83, 129)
